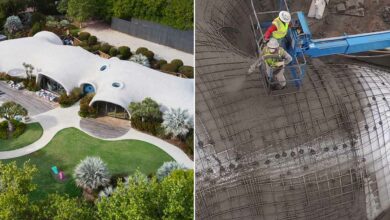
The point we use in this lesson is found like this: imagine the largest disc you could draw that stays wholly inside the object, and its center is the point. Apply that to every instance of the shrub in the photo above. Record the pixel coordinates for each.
(124, 52)
(74, 32)
(37, 27)
(92, 173)
(95, 48)
(188, 71)
(105, 48)
(68, 100)
(20, 128)
(4, 130)
(113, 52)
(84, 36)
(169, 68)
(190, 141)
(160, 63)
(149, 54)
(4, 76)
(64, 23)
(177, 122)
(13, 24)
(52, 24)
(177, 62)
(85, 109)
(92, 40)
(50, 18)
(140, 59)
(146, 115)
(141, 50)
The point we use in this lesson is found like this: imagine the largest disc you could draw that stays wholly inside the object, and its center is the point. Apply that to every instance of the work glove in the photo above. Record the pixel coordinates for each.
(280, 63)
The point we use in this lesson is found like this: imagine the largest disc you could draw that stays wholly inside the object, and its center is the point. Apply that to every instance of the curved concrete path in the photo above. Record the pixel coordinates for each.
(57, 119)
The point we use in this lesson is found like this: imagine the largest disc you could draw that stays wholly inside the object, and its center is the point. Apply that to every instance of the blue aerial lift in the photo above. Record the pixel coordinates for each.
(300, 43)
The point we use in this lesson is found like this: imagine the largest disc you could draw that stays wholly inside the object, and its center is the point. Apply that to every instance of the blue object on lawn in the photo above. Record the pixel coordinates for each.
(55, 170)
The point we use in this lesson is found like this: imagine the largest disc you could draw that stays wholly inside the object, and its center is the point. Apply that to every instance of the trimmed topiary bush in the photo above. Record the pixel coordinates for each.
(188, 71)
(149, 54)
(177, 62)
(141, 50)
(84, 36)
(169, 68)
(113, 52)
(105, 48)
(95, 47)
(124, 52)
(92, 40)
(160, 63)
(74, 32)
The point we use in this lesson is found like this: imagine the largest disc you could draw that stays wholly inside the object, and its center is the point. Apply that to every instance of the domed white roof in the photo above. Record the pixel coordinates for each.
(49, 36)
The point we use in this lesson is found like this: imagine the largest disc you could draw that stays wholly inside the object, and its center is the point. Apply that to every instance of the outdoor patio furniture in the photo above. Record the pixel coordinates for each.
(54, 169)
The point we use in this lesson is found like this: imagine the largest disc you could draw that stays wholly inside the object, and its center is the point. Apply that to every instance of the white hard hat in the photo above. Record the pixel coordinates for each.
(273, 43)
(285, 16)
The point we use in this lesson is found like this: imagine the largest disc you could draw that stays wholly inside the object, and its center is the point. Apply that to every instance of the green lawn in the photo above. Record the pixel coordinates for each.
(33, 132)
(71, 145)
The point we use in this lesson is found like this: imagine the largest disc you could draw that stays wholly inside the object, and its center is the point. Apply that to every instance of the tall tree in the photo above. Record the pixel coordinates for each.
(16, 184)
(82, 10)
(9, 110)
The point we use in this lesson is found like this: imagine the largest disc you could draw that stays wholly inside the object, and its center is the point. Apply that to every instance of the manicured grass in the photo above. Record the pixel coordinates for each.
(71, 145)
(33, 132)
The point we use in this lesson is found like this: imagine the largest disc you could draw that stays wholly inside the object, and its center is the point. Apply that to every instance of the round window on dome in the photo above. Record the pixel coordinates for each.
(116, 85)
(104, 67)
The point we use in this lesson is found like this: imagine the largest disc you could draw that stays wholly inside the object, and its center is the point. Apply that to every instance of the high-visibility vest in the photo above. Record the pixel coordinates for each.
(281, 27)
(272, 58)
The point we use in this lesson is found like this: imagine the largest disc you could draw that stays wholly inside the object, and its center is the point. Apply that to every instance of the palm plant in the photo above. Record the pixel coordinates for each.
(140, 59)
(92, 173)
(177, 122)
(167, 168)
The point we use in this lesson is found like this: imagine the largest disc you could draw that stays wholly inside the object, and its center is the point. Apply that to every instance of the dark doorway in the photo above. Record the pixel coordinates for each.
(110, 109)
(51, 85)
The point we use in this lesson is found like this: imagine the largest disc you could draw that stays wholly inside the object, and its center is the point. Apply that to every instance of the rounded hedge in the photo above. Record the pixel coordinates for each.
(92, 40)
(113, 52)
(157, 64)
(95, 47)
(177, 63)
(74, 32)
(105, 48)
(169, 68)
(188, 71)
(141, 50)
(125, 52)
(84, 36)
(149, 54)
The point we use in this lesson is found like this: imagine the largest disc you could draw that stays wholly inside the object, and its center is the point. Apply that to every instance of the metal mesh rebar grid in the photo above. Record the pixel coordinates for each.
(315, 153)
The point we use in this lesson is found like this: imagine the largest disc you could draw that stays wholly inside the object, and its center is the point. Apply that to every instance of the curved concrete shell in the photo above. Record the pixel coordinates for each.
(119, 82)
(321, 152)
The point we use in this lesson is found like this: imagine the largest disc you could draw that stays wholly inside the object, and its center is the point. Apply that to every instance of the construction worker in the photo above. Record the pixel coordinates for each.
(276, 58)
(279, 27)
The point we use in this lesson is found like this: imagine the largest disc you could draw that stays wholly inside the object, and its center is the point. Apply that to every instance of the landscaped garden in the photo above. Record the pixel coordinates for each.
(32, 133)
(71, 145)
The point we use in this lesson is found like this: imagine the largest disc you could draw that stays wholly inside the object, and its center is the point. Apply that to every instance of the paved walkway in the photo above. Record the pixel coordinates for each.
(116, 38)
(57, 119)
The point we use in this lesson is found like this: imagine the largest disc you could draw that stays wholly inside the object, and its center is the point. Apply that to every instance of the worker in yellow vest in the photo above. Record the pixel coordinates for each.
(279, 27)
(276, 58)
